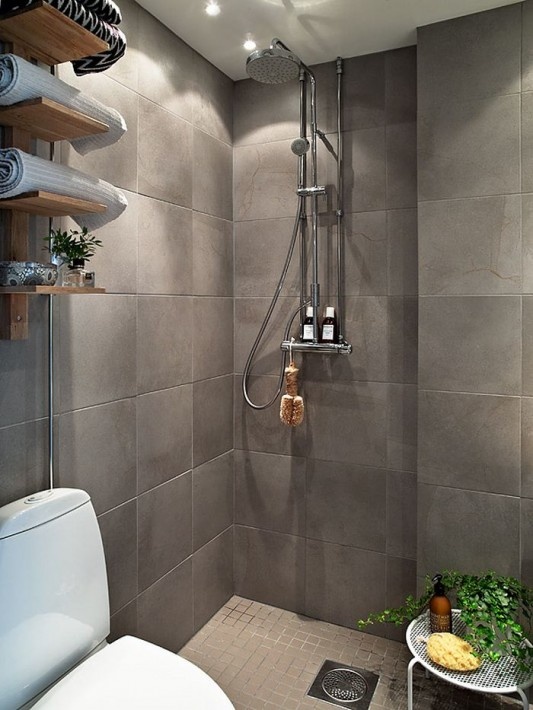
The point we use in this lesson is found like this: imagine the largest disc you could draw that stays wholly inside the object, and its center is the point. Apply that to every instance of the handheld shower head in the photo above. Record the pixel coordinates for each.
(274, 65)
(300, 146)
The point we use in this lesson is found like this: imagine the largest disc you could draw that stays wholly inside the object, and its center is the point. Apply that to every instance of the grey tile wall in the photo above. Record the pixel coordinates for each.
(130, 365)
(326, 513)
(474, 444)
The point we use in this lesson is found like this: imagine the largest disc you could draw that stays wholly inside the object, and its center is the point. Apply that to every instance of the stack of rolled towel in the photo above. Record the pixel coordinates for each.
(21, 80)
(21, 172)
(97, 16)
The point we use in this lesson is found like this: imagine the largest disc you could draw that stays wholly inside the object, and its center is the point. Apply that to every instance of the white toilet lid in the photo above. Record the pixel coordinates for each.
(131, 674)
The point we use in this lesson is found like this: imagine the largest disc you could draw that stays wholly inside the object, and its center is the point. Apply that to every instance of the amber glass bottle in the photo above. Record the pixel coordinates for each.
(440, 609)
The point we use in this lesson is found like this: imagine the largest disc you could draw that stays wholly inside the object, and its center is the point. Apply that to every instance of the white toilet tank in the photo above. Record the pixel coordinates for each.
(54, 607)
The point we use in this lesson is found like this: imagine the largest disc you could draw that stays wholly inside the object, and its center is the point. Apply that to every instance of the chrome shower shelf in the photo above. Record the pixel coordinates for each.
(321, 348)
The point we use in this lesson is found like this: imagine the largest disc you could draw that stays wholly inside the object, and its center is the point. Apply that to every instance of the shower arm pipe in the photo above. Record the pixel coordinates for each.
(340, 205)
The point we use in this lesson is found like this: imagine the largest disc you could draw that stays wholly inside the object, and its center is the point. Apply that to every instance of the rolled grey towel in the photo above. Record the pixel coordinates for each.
(21, 172)
(20, 80)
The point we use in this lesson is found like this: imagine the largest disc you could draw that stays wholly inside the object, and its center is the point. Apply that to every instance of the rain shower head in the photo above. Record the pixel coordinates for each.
(274, 65)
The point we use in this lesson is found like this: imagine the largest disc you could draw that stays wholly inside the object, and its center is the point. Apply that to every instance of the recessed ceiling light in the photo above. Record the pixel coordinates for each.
(212, 9)
(249, 45)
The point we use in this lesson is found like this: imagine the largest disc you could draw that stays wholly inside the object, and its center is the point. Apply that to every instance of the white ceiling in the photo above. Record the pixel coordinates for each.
(317, 30)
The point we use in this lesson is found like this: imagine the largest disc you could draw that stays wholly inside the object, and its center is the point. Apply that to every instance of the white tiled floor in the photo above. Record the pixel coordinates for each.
(264, 657)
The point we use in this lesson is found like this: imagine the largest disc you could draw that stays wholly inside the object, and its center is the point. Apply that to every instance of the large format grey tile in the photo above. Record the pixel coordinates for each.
(116, 163)
(261, 248)
(470, 57)
(482, 253)
(364, 167)
(212, 176)
(401, 166)
(115, 264)
(212, 499)
(164, 435)
(469, 441)
(364, 92)
(212, 256)
(343, 583)
(212, 573)
(470, 344)
(468, 531)
(270, 492)
(164, 344)
(165, 528)
(365, 254)
(402, 427)
(527, 244)
(401, 583)
(212, 100)
(265, 177)
(261, 430)
(124, 622)
(400, 85)
(527, 345)
(348, 421)
(165, 610)
(212, 337)
(249, 316)
(166, 69)
(469, 149)
(212, 418)
(265, 112)
(119, 535)
(24, 462)
(97, 452)
(345, 504)
(165, 248)
(527, 141)
(270, 567)
(527, 46)
(96, 354)
(527, 447)
(526, 536)
(23, 373)
(401, 514)
(402, 252)
(164, 156)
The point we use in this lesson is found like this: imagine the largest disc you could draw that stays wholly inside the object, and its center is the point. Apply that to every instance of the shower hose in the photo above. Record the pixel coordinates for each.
(268, 316)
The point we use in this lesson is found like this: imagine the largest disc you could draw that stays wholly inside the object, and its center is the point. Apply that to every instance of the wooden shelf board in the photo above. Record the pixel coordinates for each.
(50, 121)
(49, 204)
(50, 290)
(49, 35)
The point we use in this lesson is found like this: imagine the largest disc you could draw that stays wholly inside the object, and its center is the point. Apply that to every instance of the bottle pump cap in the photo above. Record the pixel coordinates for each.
(330, 312)
(438, 585)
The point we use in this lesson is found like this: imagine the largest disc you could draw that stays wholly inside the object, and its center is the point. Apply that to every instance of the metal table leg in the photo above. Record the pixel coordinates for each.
(412, 664)
(524, 698)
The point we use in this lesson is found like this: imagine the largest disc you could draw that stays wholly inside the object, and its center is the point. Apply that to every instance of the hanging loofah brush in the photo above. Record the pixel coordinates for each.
(291, 410)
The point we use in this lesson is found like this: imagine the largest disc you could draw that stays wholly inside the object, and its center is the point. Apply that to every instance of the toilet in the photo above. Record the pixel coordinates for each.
(54, 619)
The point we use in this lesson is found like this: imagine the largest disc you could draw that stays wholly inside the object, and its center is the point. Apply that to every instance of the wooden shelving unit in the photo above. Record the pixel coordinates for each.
(48, 204)
(43, 33)
(50, 290)
(49, 121)
(49, 36)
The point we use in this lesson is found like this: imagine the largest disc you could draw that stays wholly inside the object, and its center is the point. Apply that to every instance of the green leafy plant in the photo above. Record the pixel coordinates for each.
(73, 244)
(496, 610)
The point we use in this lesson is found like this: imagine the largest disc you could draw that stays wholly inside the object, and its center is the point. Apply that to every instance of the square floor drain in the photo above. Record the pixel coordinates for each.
(344, 686)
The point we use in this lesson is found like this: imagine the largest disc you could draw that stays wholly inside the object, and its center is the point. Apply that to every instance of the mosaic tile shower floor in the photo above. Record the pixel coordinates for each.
(267, 658)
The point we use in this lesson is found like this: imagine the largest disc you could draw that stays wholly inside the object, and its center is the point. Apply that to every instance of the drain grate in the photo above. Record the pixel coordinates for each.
(344, 686)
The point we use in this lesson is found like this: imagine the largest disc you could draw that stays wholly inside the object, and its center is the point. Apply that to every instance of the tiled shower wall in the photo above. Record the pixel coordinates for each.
(145, 373)
(475, 93)
(325, 513)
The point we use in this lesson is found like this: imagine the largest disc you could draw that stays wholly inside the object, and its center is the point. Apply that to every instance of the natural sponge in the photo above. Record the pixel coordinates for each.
(452, 652)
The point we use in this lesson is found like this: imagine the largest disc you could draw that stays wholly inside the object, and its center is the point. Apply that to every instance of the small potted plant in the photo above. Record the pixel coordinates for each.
(73, 249)
(497, 611)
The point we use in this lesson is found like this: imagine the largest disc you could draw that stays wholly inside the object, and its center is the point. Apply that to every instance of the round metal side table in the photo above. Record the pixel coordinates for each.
(503, 677)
